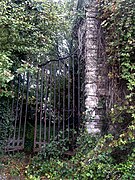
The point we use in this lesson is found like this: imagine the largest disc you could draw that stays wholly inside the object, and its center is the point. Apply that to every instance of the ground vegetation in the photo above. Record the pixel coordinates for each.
(111, 156)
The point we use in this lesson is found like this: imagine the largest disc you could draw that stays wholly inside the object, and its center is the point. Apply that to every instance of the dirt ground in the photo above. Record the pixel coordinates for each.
(12, 167)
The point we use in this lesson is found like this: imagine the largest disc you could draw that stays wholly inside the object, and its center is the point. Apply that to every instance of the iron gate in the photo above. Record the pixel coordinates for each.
(48, 98)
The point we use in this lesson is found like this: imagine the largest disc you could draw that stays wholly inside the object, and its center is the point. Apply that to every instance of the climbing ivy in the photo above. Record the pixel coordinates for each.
(118, 22)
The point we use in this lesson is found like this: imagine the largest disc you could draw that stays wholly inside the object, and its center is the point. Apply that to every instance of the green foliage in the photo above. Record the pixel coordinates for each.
(118, 23)
(25, 28)
(54, 149)
(29, 138)
(5, 73)
(6, 124)
(55, 168)
(31, 32)
(95, 161)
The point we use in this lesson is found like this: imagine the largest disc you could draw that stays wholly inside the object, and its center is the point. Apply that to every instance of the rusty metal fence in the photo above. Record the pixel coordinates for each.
(49, 98)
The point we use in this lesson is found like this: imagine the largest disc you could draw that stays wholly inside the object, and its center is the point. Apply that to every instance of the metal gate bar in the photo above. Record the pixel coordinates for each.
(69, 111)
(64, 84)
(73, 64)
(26, 109)
(17, 138)
(55, 111)
(20, 118)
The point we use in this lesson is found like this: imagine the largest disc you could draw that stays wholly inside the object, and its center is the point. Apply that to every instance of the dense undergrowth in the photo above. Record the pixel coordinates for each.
(94, 159)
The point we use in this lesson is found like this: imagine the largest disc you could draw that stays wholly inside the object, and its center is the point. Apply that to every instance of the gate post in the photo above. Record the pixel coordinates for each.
(94, 79)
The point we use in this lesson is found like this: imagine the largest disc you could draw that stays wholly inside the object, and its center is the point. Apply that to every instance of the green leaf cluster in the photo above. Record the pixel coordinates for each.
(6, 123)
(95, 161)
(118, 22)
(31, 32)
